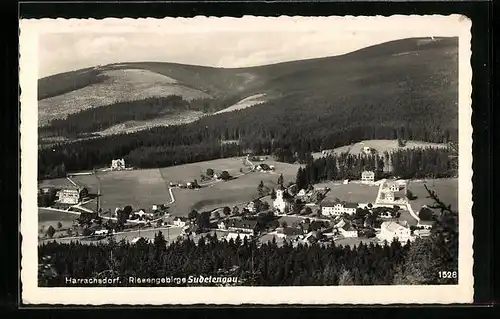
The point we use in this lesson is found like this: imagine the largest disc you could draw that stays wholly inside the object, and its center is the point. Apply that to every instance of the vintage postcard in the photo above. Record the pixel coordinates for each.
(253, 160)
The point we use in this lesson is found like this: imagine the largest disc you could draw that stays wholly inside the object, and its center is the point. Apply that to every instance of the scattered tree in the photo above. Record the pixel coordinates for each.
(273, 194)
(51, 231)
(193, 215)
(260, 188)
(225, 175)
(236, 210)
(426, 213)
(280, 179)
(210, 172)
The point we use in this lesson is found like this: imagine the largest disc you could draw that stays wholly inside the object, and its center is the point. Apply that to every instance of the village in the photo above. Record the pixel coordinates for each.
(283, 213)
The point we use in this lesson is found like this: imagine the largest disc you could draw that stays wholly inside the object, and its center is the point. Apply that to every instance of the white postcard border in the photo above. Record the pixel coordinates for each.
(455, 25)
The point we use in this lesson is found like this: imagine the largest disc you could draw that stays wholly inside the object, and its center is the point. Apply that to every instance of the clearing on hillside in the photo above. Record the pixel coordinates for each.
(119, 86)
(380, 146)
(247, 102)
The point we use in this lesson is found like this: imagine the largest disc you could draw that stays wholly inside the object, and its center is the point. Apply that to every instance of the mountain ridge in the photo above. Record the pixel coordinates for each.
(395, 69)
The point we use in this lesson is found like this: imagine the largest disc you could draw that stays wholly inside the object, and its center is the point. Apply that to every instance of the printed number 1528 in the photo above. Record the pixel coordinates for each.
(448, 274)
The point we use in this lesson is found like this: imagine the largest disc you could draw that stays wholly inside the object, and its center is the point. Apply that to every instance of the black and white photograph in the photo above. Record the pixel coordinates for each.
(246, 160)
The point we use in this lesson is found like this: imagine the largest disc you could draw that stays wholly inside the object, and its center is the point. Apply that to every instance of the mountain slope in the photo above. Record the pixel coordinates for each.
(421, 70)
(404, 89)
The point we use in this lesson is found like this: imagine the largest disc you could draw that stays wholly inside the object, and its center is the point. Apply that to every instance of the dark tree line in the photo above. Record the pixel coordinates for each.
(99, 118)
(267, 265)
(275, 266)
(406, 163)
(287, 128)
(66, 82)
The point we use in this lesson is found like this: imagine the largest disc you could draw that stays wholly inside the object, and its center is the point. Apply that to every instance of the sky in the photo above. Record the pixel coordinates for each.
(216, 42)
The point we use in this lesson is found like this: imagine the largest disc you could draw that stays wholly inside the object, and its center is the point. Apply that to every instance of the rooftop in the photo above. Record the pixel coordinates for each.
(391, 226)
(243, 223)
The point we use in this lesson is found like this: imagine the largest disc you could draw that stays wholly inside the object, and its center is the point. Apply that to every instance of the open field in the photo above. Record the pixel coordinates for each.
(380, 146)
(138, 188)
(47, 218)
(352, 192)
(446, 189)
(189, 172)
(229, 193)
(143, 188)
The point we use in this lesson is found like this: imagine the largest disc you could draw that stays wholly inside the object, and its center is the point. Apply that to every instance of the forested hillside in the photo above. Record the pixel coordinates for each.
(404, 89)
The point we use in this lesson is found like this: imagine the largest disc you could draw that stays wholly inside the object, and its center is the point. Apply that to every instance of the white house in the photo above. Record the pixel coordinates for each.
(385, 214)
(302, 193)
(422, 232)
(222, 225)
(391, 230)
(71, 195)
(393, 186)
(281, 202)
(136, 239)
(158, 207)
(368, 176)
(340, 224)
(338, 208)
(180, 222)
(101, 232)
(348, 231)
(118, 164)
(251, 207)
(426, 224)
(142, 213)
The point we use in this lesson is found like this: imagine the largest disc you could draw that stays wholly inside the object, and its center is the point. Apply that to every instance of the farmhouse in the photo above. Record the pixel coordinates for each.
(242, 225)
(46, 190)
(289, 233)
(422, 232)
(426, 224)
(71, 195)
(158, 207)
(222, 225)
(283, 200)
(118, 164)
(301, 193)
(181, 222)
(341, 223)
(252, 207)
(137, 239)
(338, 208)
(101, 232)
(348, 231)
(391, 230)
(368, 176)
(385, 214)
